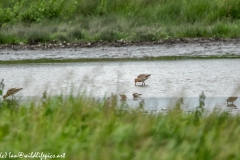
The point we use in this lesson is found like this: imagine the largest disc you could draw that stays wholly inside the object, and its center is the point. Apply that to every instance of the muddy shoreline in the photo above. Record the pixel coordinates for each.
(120, 43)
(197, 48)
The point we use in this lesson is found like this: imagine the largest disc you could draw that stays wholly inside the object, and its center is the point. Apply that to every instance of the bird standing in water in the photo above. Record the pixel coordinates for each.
(123, 97)
(136, 95)
(142, 78)
(231, 99)
(11, 92)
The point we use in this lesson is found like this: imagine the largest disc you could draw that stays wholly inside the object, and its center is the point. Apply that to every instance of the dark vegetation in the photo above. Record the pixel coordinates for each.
(84, 128)
(39, 21)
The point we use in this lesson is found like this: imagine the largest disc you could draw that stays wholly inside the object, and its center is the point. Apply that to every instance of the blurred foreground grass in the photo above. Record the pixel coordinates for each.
(84, 128)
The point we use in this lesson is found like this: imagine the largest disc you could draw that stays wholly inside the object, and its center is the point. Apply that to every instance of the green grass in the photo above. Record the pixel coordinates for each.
(164, 58)
(41, 21)
(84, 128)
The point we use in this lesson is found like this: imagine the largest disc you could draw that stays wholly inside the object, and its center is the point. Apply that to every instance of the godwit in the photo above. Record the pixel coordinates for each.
(11, 92)
(123, 97)
(142, 78)
(231, 99)
(136, 95)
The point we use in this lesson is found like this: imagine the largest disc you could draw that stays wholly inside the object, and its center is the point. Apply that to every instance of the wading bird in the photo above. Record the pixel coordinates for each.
(11, 92)
(231, 99)
(142, 78)
(136, 95)
(123, 97)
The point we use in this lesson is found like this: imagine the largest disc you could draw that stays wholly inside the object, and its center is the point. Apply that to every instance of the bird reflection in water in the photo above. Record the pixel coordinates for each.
(231, 100)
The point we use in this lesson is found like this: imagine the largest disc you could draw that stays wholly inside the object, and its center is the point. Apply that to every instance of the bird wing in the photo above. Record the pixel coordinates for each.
(231, 99)
(12, 91)
(136, 94)
(141, 75)
(145, 76)
(123, 95)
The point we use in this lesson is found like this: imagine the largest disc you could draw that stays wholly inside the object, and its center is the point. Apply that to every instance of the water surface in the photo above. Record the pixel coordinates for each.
(188, 78)
(170, 79)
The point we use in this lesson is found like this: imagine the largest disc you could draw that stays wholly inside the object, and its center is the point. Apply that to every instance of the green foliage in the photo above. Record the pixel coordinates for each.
(5, 15)
(36, 38)
(196, 10)
(145, 36)
(93, 20)
(84, 128)
(76, 34)
(200, 109)
(31, 11)
(164, 11)
(87, 7)
(109, 36)
(6, 39)
(230, 9)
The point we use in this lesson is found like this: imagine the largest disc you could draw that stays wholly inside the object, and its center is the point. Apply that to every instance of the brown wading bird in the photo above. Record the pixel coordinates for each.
(142, 78)
(11, 92)
(136, 95)
(123, 97)
(231, 99)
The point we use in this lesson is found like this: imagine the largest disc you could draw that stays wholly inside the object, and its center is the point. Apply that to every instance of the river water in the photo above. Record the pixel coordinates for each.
(170, 79)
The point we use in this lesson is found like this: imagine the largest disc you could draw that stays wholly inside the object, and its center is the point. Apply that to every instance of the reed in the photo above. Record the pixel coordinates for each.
(144, 20)
(85, 128)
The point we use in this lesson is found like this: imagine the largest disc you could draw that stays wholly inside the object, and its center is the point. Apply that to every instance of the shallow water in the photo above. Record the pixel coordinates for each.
(217, 78)
(179, 78)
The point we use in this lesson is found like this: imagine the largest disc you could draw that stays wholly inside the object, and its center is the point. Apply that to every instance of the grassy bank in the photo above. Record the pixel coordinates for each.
(84, 128)
(24, 21)
(162, 58)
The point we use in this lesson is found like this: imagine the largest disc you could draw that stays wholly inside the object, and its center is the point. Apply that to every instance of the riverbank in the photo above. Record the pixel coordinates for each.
(175, 49)
(25, 22)
(119, 43)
